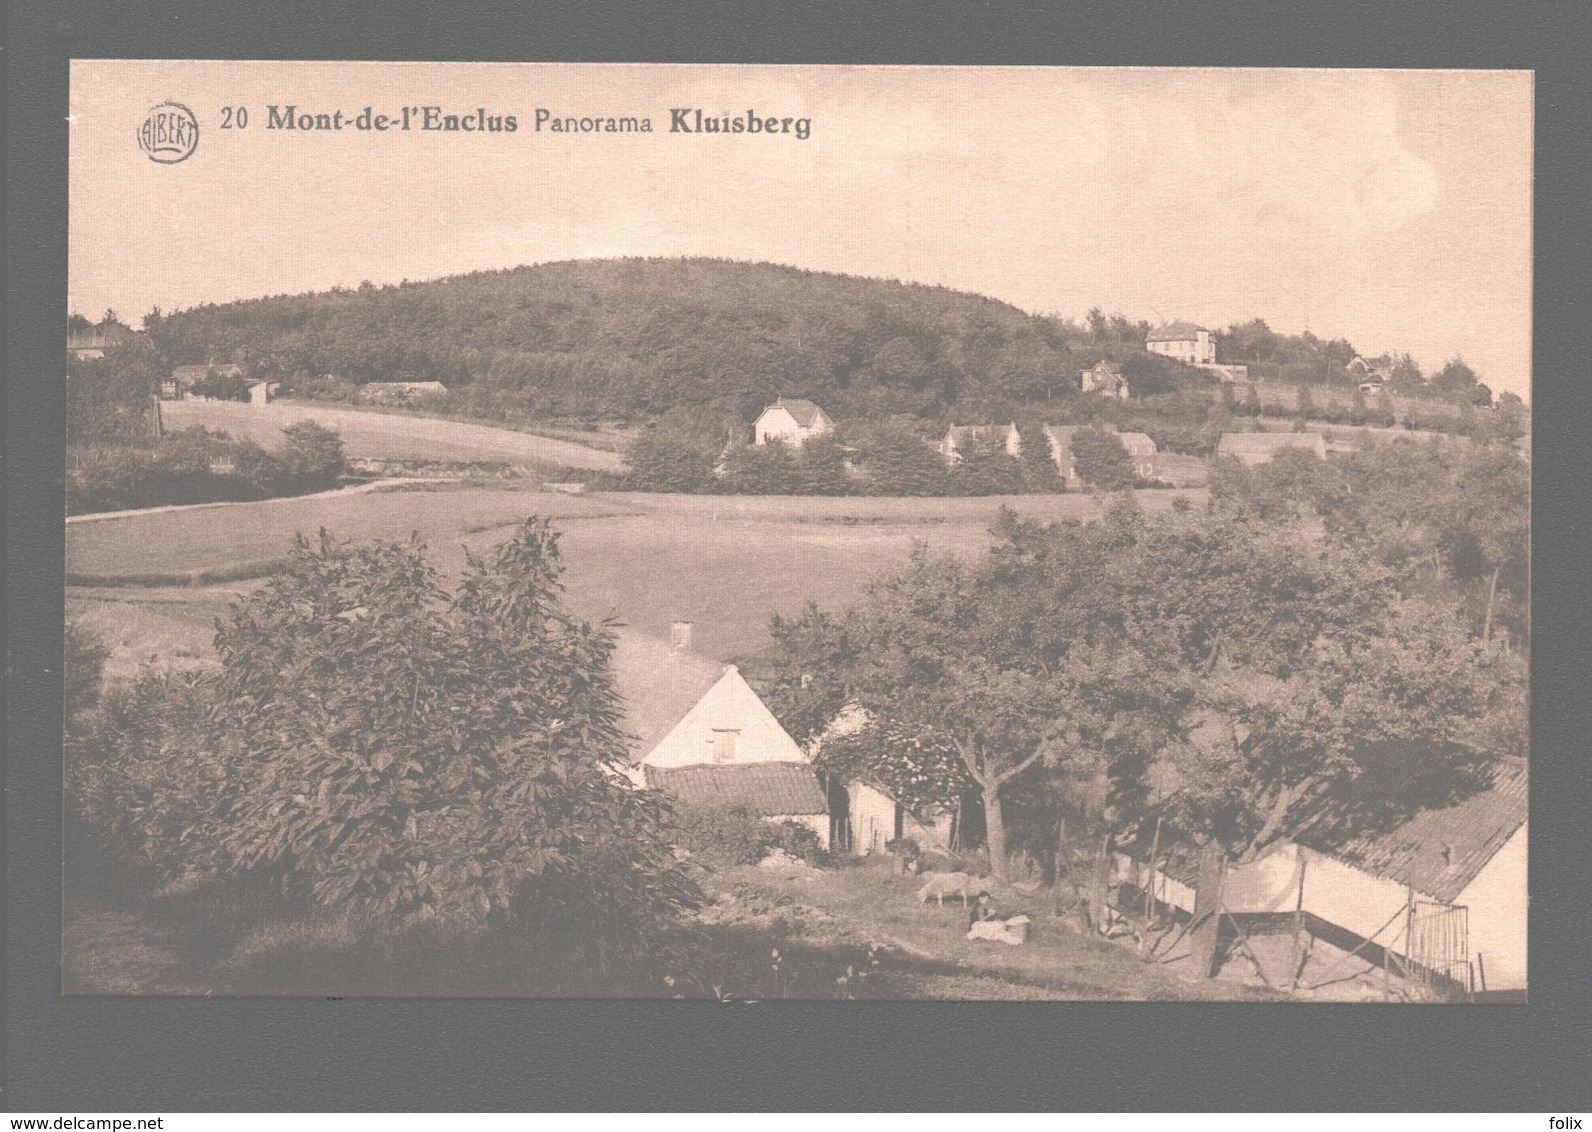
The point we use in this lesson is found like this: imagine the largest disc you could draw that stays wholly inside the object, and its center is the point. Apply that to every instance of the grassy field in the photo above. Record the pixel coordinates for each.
(132, 937)
(395, 436)
(724, 563)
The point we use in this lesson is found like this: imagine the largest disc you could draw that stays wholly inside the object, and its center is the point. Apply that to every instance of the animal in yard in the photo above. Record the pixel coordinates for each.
(941, 885)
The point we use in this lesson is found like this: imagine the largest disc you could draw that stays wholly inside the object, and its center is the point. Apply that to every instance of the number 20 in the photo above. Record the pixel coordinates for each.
(237, 119)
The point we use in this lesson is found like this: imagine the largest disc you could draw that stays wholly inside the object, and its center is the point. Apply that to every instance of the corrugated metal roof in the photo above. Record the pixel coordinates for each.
(764, 789)
(1440, 850)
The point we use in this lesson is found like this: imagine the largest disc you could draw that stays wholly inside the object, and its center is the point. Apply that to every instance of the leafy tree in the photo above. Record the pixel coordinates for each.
(1101, 459)
(762, 469)
(895, 459)
(1455, 382)
(986, 468)
(108, 399)
(658, 461)
(821, 468)
(398, 751)
(1039, 470)
(312, 457)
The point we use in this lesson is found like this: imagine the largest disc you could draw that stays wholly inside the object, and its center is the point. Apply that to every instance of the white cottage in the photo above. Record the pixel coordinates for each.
(792, 421)
(729, 750)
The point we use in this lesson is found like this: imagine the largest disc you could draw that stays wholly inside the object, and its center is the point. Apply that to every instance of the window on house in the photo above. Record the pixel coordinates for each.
(723, 743)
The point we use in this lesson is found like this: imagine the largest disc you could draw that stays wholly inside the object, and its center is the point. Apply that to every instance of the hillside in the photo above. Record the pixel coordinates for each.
(633, 338)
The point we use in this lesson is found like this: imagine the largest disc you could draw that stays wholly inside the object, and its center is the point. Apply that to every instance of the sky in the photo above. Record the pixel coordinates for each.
(1391, 208)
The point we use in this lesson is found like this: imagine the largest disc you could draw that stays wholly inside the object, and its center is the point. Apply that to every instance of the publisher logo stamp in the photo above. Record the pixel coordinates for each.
(170, 133)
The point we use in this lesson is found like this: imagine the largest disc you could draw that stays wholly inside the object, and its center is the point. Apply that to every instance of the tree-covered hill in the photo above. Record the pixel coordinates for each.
(632, 338)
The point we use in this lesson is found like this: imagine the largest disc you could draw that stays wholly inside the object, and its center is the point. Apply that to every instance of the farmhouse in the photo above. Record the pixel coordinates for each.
(1442, 891)
(179, 386)
(1104, 377)
(1140, 448)
(729, 750)
(960, 438)
(261, 391)
(1259, 447)
(399, 392)
(791, 421)
(1187, 343)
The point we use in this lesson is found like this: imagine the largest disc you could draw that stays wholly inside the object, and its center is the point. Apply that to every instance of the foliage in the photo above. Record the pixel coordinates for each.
(108, 400)
(380, 746)
(312, 456)
(197, 465)
(726, 836)
(632, 338)
(1101, 460)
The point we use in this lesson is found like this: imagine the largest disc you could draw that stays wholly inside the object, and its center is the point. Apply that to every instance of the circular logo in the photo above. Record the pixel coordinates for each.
(170, 133)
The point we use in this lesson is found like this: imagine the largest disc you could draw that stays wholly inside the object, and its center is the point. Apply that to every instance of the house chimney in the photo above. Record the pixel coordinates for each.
(680, 636)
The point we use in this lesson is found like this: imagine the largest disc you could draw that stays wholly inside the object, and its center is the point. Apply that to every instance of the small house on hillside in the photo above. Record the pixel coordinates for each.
(1141, 449)
(1185, 342)
(792, 421)
(1104, 377)
(399, 392)
(1254, 448)
(729, 750)
(261, 391)
(959, 439)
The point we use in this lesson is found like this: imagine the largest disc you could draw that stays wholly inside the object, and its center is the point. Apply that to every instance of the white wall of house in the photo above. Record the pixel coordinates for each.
(873, 822)
(1497, 899)
(730, 724)
(776, 423)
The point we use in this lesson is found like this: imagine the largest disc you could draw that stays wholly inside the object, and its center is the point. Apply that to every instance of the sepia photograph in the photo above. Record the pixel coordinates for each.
(743, 533)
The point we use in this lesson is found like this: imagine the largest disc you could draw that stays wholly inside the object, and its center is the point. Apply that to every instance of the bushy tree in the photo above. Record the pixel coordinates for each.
(986, 468)
(312, 456)
(381, 746)
(1101, 460)
(109, 399)
(896, 459)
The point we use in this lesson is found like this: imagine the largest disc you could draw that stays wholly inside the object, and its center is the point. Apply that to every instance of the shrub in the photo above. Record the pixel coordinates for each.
(382, 747)
(1101, 460)
(311, 457)
(725, 836)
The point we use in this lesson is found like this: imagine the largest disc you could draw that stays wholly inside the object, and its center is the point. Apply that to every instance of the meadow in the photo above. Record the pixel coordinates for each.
(725, 563)
(394, 436)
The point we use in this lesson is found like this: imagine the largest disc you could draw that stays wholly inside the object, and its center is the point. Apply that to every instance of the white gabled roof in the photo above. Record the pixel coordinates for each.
(729, 704)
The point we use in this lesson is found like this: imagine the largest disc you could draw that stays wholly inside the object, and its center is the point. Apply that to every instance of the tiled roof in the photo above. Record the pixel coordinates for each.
(1438, 851)
(764, 789)
(1137, 443)
(1175, 332)
(804, 412)
(1112, 366)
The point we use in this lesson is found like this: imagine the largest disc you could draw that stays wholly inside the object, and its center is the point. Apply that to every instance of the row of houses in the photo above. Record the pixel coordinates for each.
(1444, 888)
(961, 439)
